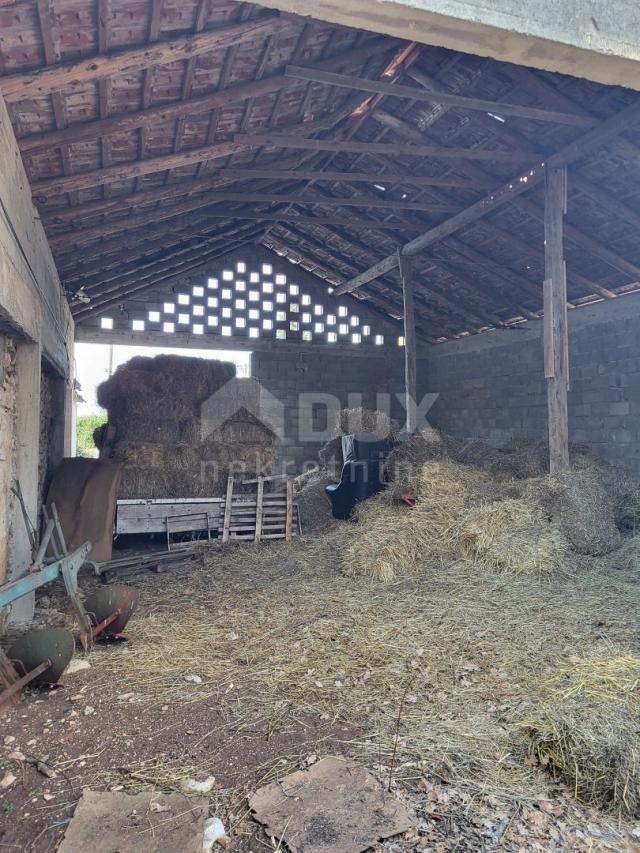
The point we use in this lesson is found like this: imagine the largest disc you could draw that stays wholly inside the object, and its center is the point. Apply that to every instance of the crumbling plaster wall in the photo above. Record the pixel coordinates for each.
(35, 318)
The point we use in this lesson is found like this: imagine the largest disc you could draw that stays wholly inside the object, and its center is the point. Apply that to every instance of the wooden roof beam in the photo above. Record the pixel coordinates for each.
(459, 101)
(75, 75)
(589, 141)
(438, 152)
(123, 123)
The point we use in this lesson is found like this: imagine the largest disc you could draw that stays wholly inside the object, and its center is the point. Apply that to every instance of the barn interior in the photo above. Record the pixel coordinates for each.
(403, 548)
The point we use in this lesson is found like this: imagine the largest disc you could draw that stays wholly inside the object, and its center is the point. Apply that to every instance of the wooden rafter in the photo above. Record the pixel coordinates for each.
(17, 87)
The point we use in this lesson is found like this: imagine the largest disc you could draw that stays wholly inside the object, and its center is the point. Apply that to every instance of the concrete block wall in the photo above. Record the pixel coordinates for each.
(297, 379)
(491, 386)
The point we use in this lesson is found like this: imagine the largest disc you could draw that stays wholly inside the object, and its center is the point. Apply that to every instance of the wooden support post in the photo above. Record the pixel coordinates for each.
(405, 263)
(228, 507)
(288, 528)
(556, 350)
(259, 501)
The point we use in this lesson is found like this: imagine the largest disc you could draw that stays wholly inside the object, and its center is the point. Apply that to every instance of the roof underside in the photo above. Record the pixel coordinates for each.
(140, 125)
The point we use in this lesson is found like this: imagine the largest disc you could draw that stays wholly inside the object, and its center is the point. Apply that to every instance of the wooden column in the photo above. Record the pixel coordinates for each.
(405, 263)
(556, 349)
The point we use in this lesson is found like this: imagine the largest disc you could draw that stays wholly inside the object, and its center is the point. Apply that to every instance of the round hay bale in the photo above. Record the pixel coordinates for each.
(581, 506)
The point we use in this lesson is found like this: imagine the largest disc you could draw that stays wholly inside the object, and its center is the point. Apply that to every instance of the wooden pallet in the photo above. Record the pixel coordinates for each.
(261, 516)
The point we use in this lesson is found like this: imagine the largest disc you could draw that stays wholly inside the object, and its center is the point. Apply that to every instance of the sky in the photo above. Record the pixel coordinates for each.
(95, 361)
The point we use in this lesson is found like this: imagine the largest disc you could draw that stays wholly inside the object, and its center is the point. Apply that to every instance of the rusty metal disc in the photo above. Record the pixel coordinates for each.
(35, 647)
(106, 600)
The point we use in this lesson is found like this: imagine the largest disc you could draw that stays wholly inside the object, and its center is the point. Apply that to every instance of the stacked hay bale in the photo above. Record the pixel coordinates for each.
(153, 407)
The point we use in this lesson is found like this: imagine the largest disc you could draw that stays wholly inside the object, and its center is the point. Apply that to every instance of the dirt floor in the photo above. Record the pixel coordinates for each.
(266, 658)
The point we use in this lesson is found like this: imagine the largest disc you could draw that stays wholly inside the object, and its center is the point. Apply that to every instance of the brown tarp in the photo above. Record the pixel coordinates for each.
(84, 492)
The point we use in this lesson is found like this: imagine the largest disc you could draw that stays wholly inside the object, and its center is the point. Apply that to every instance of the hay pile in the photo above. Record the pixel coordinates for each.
(586, 730)
(459, 512)
(154, 404)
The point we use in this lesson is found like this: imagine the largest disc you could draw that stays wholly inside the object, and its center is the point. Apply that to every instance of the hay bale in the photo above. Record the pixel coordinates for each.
(330, 457)
(513, 535)
(586, 730)
(388, 541)
(366, 420)
(314, 505)
(580, 505)
(423, 446)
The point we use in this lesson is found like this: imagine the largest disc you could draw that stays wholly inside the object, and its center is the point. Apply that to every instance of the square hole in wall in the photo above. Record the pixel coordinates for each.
(267, 269)
(240, 323)
(356, 338)
(212, 302)
(226, 331)
(305, 299)
(343, 328)
(138, 325)
(106, 323)
(228, 275)
(212, 321)
(226, 313)
(198, 310)
(254, 333)
(226, 293)
(318, 310)
(213, 283)
(318, 328)
(400, 341)
(294, 308)
(241, 285)
(281, 335)
(254, 277)
(169, 308)
(254, 314)
(366, 330)
(306, 317)
(331, 337)
(267, 287)
(184, 299)
(198, 290)
(342, 311)
(331, 319)
(307, 335)
(184, 319)
(281, 316)
(281, 279)
(281, 298)
(254, 296)
(267, 324)
(294, 326)
(198, 329)
(354, 320)
(267, 305)
(241, 267)
(241, 304)
(294, 290)
(168, 327)
(379, 340)
(154, 316)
